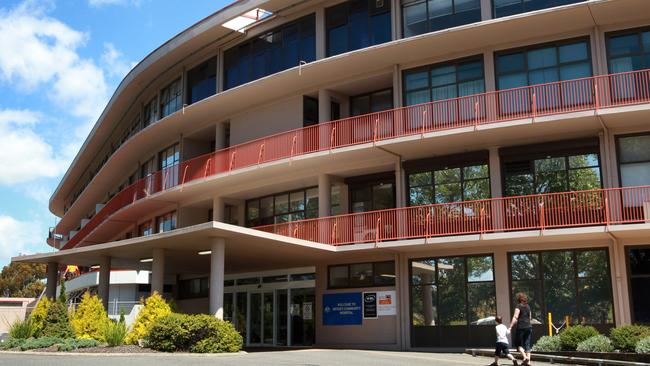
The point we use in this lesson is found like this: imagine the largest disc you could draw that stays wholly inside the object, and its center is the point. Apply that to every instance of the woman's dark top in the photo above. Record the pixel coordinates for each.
(523, 322)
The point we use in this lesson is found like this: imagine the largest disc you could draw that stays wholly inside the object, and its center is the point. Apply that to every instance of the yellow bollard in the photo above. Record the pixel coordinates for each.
(550, 324)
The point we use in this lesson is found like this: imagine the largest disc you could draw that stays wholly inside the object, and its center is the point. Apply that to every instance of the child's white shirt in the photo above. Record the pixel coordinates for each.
(502, 334)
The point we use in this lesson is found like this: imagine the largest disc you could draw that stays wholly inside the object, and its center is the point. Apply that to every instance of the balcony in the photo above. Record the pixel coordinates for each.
(579, 95)
(535, 212)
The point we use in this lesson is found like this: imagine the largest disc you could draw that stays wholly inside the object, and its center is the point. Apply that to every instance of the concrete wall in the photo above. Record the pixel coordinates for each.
(188, 216)
(266, 120)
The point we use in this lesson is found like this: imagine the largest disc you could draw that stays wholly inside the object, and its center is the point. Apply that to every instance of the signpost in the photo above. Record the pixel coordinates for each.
(370, 305)
(342, 309)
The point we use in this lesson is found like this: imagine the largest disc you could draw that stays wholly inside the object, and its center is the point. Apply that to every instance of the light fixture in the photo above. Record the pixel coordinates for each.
(205, 252)
(387, 275)
(146, 260)
(94, 266)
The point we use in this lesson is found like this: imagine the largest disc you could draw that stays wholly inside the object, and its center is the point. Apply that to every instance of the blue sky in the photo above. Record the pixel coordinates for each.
(60, 61)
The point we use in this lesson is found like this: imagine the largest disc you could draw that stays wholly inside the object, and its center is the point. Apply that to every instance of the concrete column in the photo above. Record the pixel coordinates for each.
(104, 280)
(324, 195)
(241, 214)
(324, 106)
(220, 137)
(217, 260)
(396, 19)
(496, 189)
(488, 66)
(220, 71)
(486, 10)
(321, 37)
(158, 271)
(218, 209)
(397, 86)
(501, 283)
(400, 196)
(52, 280)
(620, 286)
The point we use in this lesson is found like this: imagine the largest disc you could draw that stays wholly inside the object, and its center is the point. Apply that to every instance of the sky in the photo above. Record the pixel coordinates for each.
(60, 62)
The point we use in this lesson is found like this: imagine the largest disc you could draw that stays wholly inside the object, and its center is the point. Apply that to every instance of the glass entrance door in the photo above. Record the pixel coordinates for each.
(262, 318)
(302, 317)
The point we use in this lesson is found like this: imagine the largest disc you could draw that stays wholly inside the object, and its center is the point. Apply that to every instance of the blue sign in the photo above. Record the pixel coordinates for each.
(342, 309)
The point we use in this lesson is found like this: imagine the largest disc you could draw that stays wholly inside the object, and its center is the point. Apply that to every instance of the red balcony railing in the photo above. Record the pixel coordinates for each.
(544, 211)
(494, 107)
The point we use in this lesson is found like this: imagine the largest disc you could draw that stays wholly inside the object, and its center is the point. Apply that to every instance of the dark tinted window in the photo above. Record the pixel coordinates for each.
(309, 111)
(282, 207)
(422, 16)
(504, 8)
(202, 81)
(628, 51)
(357, 24)
(639, 263)
(271, 52)
(372, 102)
(361, 275)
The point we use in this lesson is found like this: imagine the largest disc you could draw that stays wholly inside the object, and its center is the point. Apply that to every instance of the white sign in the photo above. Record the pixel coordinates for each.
(307, 311)
(386, 303)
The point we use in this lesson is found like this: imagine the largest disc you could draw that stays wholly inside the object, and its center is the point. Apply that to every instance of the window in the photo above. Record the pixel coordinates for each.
(634, 160)
(202, 81)
(539, 169)
(357, 24)
(271, 52)
(282, 207)
(423, 16)
(193, 288)
(370, 193)
(371, 102)
(452, 291)
(628, 51)
(169, 160)
(170, 98)
(309, 111)
(443, 180)
(150, 112)
(444, 81)
(639, 272)
(361, 275)
(564, 282)
(504, 8)
(166, 222)
(145, 229)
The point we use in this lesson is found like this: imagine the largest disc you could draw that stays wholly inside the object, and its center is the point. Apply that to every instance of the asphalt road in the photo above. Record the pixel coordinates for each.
(312, 357)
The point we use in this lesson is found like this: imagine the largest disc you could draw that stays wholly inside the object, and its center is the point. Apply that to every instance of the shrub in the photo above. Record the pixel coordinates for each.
(37, 343)
(115, 332)
(548, 344)
(626, 337)
(598, 343)
(643, 346)
(22, 329)
(38, 315)
(195, 333)
(12, 343)
(57, 323)
(154, 307)
(73, 344)
(570, 337)
(90, 318)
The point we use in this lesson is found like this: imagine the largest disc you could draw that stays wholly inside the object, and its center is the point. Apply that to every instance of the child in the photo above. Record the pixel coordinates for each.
(502, 343)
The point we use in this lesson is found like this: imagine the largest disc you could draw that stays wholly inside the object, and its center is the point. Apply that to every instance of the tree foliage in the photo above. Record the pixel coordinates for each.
(90, 318)
(57, 323)
(154, 307)
(22, 280)
(38, 315)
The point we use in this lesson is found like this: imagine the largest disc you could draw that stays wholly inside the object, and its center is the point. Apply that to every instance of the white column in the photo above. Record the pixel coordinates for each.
(217, 259)
(486, 9)
(320, 34)
(496, 189)
(488, 66)
(396, 29)
(52, 280)
(324, 195)
(158, 271)
(218, 209)
(324, 105)
(104, 280)
(501, 282)
(400, 196)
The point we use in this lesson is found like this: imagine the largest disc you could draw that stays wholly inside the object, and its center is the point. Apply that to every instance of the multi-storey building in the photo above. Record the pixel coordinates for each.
(281, 162)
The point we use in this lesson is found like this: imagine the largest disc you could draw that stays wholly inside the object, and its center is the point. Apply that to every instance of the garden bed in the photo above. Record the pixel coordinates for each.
(619, 356)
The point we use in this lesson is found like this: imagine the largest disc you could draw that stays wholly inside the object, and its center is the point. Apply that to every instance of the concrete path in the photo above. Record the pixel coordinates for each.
(311, 357)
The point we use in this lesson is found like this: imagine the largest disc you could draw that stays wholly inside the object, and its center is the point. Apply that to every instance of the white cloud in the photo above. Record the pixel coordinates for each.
(37, 51)
(18, 237)
(99, 3)
(27, 156)
(114, 63)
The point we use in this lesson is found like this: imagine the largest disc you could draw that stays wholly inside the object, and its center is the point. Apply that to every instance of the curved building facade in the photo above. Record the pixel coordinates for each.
(377, 173)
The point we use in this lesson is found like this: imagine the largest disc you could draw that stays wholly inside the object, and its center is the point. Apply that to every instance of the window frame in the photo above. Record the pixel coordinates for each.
(618, 153)
(348, 265)
(428, 18)
(370, 100)
(624, 32)
(275, 214)
(371, 13)
(574, 256)
(167, 98)
(494, 13)
(628, 271)
(199, 67)
(171, 216)
(370, 181)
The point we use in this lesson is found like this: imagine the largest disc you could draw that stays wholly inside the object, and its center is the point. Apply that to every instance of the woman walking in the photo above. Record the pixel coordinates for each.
(521, 322)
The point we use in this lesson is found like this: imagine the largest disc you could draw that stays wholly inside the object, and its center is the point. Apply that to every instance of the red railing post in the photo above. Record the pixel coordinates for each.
(374, 138)
(333, 240)
(542, 220)
(607, 218)
(424, 118)
(377, 231)
(232, 160)
(427, 220)
(534, 105)
(259, 157)
(596, 96)
(332, 135)
(207, 166)
(184, 175)
(476, 113)
(293, 145)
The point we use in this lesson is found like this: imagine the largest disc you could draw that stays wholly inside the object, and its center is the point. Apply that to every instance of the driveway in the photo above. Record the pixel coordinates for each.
(311, 357)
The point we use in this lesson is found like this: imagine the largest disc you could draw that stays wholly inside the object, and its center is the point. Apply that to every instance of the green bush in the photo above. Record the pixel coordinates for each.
(37, 343)
(195, 333)
(90, 318)
(643, 346)
(57, 323)
(68, 345)
(38, 315)
(626, 337)
(115, 332)
(12, 343)
(598, 343)
(22, 329)
(548, 344)
(154, 307)
(571, 337)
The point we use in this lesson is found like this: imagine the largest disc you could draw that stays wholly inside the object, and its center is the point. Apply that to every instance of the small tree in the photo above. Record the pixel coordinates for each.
(38, 315)
(90, 318)
(63, 298)
(154, 307)
(57, 323)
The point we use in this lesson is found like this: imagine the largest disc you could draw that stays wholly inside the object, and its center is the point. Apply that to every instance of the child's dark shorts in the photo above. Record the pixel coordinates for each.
(501, 349)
